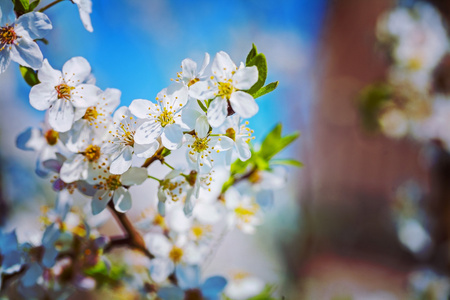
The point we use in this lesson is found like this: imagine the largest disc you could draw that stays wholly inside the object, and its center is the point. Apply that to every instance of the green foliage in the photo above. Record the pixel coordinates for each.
(274, 142)
(33, 5)
(29, 75)
(202, 106)
(24, 6)
(371, 100)
(266, 89)
(259, 60)
(165, 152)
(262, 160)
(106, 276)
(251, 54)
(266, 294)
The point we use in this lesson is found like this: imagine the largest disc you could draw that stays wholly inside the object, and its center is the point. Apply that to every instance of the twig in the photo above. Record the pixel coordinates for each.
(50, 5)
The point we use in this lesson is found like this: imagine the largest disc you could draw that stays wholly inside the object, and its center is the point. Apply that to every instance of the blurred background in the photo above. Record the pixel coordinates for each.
(338, 230)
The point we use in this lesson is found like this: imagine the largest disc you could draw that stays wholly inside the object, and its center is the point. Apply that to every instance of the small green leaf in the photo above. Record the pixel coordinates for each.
(253, 52)
(21, 6)
(33, 5)
(29, 75)
(165, 152)
(286, 162)
(274, 142)
(266, 89)
(202, 106)
(260, 62)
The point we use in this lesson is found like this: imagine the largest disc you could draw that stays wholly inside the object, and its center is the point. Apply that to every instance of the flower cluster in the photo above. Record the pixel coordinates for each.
(89, 147)
(411, 101)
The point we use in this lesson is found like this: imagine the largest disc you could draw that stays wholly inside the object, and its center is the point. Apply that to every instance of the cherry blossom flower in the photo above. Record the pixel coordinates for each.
(110, 186)
(226, 87)
(162, 118)
(189, 74)
(62, 92)
(122, 146)
(17, 36)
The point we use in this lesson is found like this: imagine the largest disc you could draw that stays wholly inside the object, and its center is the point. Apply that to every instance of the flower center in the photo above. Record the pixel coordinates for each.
(231, 133)
(200, 145)
(166, 118)
(52, 137)
(193, 81)
(7, 35)
(175, 254)
(173, 189)
(127, 136)
(92, 153)
(91, 114)
(197, 231)
(225, 90)
(64, 91)
(113, 182)
(415, 64)
(158, 220)
(245, 213)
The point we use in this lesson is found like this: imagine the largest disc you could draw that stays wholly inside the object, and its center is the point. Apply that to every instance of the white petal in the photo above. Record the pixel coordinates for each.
(27, 53)
(134, 176)
(243, 149)
(85, 95)
(189, 117)
(141, 108)
(5, 59)
(60, 115)
(36, 24)
(74, 168)
(86, 20)
(243, 104)
(172, 136)
(159, 245)
(189, 68)
(217, 112)
(111, 97)
(222, 66)
(177, 96)
(30, 139)
(122, 200)
(76, 70)
(204, 64)
(160, 269)
(100, 201)
(42, 95)
(7, 15)
(148, 132)
(203, 90)
(178, 221)
(146, 150)
(49, 75)
(245, 78)
(202, 126)
(122, 162)
(221, 143)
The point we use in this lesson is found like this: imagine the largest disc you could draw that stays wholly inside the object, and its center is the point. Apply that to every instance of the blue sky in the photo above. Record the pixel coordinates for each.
(137, 46)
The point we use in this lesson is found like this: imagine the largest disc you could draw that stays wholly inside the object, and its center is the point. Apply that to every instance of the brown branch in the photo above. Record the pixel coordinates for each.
(132, 237)
(154, 157)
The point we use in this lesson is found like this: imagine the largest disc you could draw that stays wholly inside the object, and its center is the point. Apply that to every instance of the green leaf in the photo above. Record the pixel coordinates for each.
(260, 62)
(202, 106)
(274, 142)
(21, 6)
(165, 152)
(266, 89)
(33, 5)
(266, 294)
(253, 52)
(286, 162)
(29, 75)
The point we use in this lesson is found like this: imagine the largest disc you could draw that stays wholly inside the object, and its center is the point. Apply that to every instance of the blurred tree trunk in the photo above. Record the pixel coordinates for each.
(353, 174)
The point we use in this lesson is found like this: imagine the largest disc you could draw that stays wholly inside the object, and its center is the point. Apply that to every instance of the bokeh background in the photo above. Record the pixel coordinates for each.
(331, 234)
